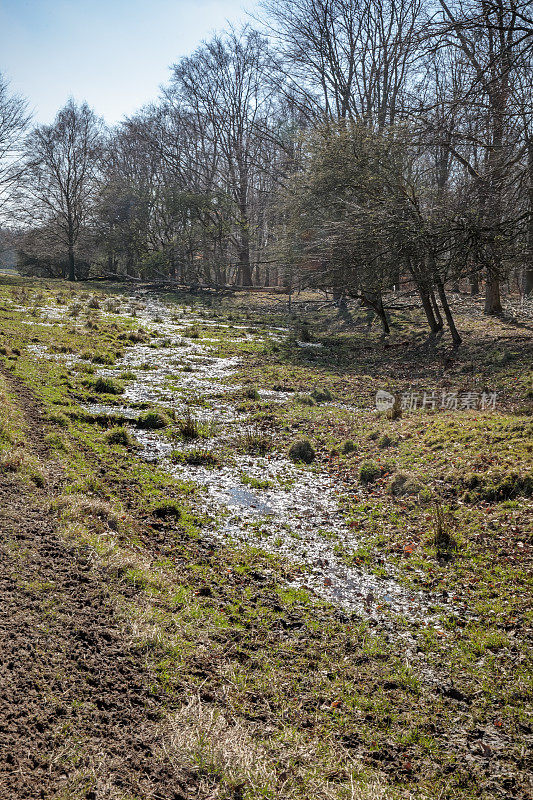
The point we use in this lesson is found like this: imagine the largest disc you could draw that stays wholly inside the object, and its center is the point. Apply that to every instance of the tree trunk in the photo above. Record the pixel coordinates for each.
(528, 280)
(436, 310)
(375, 301)
(493, 305)
(448, 314)
(421, 283)
(528, 276)
(71, 263)
(111, 263)
(396, 279)
(428, 308)
(245, 269)
(244, 235)
(493, 198)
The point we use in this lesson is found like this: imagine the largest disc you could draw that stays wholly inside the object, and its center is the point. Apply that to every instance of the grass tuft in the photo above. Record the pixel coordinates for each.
(302, 450)
(105, 386)
(369, 472)
(153, 420)
(348, 446)
(120, 435)
(167, 509)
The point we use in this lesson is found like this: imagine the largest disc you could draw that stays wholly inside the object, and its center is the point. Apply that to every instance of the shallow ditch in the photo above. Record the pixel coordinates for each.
(263, 501)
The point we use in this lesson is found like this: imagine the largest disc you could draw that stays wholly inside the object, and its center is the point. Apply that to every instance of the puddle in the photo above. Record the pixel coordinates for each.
(263, 501)
(111, 411)
(246, 499)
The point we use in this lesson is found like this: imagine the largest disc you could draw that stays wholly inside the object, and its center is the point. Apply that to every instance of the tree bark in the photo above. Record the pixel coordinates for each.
(528, 276)
(375, 301)
(436, 310)
(493, 305)
(448, 314)
(71, 263)
(244, 260)
(428, 309)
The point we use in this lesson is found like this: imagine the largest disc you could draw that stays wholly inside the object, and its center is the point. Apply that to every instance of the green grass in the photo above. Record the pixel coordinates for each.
(153, 420)
(226, 623)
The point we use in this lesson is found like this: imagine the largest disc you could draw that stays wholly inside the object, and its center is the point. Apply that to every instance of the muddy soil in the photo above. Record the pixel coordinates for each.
(76, 713)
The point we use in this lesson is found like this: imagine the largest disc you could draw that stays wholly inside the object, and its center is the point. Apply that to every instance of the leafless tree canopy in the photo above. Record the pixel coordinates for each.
(62, 175)
(13, 122)
(350, 145)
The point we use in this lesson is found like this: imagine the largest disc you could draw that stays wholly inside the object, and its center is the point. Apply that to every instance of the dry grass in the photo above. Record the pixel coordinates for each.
(201, 739)
(233, 758)
(77, 507)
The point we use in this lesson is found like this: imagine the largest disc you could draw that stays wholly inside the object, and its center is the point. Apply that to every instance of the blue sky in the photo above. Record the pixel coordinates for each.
(114, 54)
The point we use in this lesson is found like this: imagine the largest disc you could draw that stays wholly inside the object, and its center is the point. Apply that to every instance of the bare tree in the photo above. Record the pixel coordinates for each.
(491, 37)
(350, 58)
(13, 123)
(522, 103)
(62, 163)
(224, 88)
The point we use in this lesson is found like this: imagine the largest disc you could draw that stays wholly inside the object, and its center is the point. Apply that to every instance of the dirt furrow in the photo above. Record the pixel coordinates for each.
(76, 711)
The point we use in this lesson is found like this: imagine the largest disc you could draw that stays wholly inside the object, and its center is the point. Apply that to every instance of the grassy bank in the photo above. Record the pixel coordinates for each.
(270, 691)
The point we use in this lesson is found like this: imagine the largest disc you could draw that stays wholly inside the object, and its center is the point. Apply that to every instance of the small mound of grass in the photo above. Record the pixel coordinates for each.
(304, 400)
(255, 483)
(196, 458)
(167, 509)
(321, 395)
(254, 440)
(445, 544)
(106, 386)
(56, 442)
(348, 446)
(36, 477)
(86, 369)
(404, 484)
(152, 420)
(62, 348)
(97, 513)
(192, 333)
(12, 461)
(136, 337)
(369, 472)
(425, 495)
(251, 393)
(120, 435)
(385, 441)
(106, 359)
(302, 450)
(188, 427)
(57, 418)
(304, 334)
(498, 487)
